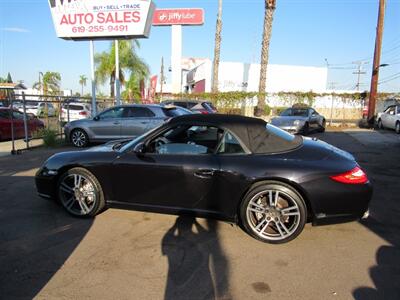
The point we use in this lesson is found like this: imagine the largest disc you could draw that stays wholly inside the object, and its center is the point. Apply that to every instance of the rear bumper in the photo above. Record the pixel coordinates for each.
(343, 202)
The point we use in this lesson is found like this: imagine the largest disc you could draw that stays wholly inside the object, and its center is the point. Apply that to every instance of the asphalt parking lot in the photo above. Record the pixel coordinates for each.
(47, 254)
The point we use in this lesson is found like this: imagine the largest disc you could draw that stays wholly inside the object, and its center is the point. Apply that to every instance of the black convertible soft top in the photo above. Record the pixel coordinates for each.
(252, 132)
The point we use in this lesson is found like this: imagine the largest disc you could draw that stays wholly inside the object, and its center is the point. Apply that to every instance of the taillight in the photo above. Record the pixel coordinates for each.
(83, 113)
(204, 112)
(354, 176)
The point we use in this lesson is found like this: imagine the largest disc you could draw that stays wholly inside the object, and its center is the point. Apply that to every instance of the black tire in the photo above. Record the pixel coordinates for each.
(79, 138)
(380, 125)
(322, 129)
(275, 233)
(95, 203)
(306, 128)
(397, 127)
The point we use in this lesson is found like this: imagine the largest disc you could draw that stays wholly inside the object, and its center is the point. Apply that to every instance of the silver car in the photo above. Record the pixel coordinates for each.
(300, 120)
(120, 122)
(390, 118)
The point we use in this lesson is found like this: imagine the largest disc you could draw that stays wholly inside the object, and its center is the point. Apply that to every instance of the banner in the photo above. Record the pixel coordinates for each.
(178, 16)
(102, 19)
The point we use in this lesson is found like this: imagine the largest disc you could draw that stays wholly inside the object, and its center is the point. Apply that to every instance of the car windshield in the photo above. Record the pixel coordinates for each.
(176, 111)
(295, 112)
(136, 140)
(31, 103)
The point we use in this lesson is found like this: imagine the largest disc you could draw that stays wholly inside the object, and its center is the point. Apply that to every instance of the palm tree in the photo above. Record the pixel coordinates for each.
(129, 62)
(270, 6)
(82, 82)
(50, 83)
(217, 49)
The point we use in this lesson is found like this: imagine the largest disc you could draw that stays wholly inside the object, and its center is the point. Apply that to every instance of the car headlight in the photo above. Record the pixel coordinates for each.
(299, 123)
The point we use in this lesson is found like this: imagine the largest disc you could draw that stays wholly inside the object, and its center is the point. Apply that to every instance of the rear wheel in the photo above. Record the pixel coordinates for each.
(80, 193)
(273, 212)
(397, 128)
(79, 138)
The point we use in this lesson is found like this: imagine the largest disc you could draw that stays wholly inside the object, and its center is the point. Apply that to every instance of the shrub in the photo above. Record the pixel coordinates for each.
(49, 136)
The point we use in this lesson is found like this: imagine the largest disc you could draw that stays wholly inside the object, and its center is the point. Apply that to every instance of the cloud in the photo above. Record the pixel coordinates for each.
(15, 29)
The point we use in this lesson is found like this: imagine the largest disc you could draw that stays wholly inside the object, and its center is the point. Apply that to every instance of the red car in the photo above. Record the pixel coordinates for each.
(33, 123)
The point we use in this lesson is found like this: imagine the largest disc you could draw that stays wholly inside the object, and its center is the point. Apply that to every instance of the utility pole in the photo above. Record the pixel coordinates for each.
(217, 49)
(376, 64)
(359, 72)
(162, 78)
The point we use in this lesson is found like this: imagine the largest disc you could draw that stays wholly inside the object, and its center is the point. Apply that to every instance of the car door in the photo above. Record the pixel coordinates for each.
(107, 125)
(174, 172)
(385, 117)
(18, 120)
(313, 118)
(5, 124)
(136, 121)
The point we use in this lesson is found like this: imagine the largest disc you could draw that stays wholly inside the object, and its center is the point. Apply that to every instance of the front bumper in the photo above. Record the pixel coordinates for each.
(291, 129)
(46, 184)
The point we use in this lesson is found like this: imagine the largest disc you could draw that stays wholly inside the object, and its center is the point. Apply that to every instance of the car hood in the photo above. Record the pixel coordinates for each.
(289, 120)
(108, 147)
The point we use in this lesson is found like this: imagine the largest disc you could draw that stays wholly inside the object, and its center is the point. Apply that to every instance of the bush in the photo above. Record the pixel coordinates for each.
(49, 137)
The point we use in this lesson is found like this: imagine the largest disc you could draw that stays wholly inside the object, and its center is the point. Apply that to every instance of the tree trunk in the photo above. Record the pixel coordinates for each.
(217, 49)
(270, 6)
(112, 88)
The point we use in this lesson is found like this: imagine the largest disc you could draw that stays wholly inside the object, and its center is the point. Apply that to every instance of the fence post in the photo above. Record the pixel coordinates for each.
(25, 121)
(330, 122)
(68, 111)
(12, 122)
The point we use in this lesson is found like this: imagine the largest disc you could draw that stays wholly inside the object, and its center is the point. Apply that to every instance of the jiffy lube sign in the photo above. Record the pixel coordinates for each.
(102, 19)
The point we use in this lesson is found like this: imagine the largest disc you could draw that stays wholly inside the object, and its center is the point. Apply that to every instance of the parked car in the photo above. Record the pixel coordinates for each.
(300, 120)
(390, 118)
(76, 111)
(33, 124)
(119, 122)
(39, 108)
(202, 107)
(232, 168)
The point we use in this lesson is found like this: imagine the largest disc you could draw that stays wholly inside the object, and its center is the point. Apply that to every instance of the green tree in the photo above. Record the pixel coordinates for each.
(82, 81)
(130, 63)
(50, 83)
(9, 78)
(270, 6)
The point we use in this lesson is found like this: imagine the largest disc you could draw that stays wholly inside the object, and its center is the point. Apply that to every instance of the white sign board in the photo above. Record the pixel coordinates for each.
(102, 19)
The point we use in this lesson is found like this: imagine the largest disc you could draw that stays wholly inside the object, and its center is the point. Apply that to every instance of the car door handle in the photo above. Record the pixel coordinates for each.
(204, 173)
(116, 123)
(144, 122)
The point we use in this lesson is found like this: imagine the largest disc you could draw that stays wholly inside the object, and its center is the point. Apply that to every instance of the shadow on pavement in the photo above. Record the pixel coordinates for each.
(379, 154)
(36, 235)
(197, 266)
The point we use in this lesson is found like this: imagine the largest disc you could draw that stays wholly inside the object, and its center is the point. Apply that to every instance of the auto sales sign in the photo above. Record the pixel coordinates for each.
(102, 19)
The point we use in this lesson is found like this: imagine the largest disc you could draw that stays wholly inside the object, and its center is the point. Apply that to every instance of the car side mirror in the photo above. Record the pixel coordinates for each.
(139, 148)
(96, 118)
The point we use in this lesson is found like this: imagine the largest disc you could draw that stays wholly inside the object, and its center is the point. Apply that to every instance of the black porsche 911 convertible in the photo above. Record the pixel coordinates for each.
(232, 168)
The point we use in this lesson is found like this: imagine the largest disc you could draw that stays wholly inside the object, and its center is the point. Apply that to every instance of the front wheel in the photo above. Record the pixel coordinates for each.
(397, 128)
(323, 126)
(80, 193)
(380, 125)
(273, 212)
(79, 138)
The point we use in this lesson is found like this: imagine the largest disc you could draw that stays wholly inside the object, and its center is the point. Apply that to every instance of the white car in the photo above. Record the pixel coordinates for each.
(39, 108)
(390, 118)
(77, 111)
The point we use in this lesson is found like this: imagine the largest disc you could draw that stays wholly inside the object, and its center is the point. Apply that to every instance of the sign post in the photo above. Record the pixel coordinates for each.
(176, 18)
(82, 20)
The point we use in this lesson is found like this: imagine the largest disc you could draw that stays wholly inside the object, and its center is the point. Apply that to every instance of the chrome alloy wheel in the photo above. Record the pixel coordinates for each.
(273, 215)
(77, 194)
(79, 138)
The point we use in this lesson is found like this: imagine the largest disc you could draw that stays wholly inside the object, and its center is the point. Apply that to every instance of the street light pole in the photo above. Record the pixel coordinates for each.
(376, 64)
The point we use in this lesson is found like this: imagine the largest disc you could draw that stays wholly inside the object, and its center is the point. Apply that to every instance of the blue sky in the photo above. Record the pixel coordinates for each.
(305, 32)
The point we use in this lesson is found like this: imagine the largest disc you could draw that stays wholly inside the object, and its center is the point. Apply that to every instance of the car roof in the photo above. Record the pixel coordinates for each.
(252, 132)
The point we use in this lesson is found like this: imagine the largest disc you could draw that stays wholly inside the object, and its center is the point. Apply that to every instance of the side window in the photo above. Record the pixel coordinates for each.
(387, 111)
(4, 114)
(137, 112)
(50, 105)
(398, 109)
(392, 110)
(230, 145)
(112, 113)
(18, 115)
(186, 139)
